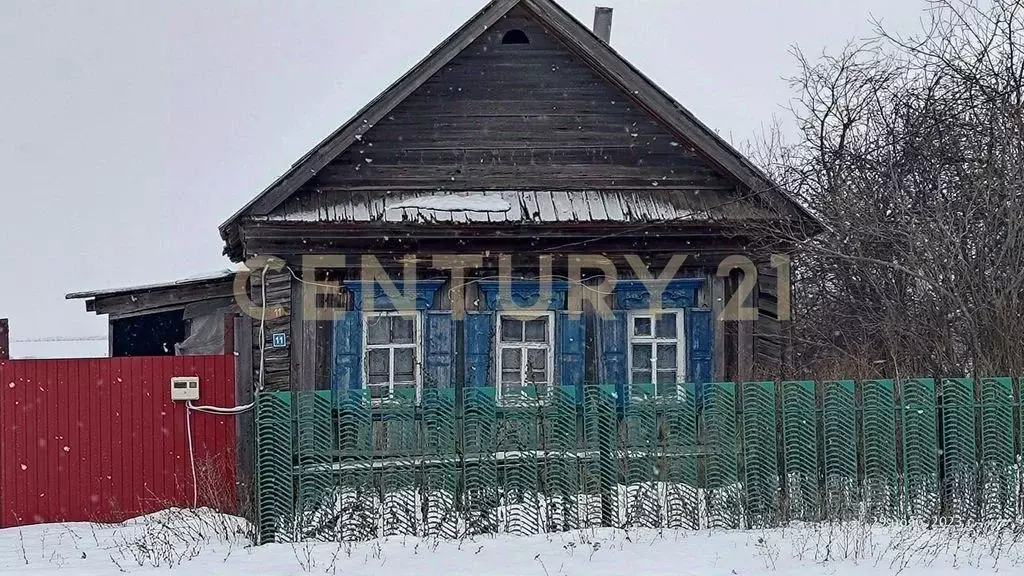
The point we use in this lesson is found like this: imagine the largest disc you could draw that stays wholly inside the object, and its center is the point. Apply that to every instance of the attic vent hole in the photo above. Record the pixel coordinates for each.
(515, 37)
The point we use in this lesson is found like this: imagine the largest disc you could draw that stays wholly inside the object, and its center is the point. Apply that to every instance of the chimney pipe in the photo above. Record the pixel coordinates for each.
(603, 23)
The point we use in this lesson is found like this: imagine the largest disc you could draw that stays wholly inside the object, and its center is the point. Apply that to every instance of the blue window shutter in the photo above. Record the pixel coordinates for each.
(570, 346)
(613, 341)
(479, 327)
(348, 349)
(700, 332)
(438, 347)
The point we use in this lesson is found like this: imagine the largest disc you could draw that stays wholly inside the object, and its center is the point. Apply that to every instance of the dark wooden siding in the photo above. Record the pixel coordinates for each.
(517, 117)
(276, 361)
(771, 338)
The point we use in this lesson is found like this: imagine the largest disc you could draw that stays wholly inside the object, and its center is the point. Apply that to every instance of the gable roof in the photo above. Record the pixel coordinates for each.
(583, 43)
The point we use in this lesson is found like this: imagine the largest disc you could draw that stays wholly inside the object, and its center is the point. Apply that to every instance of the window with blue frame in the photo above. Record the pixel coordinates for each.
(657, 349)
(643, 348)
(390, 354)
(391, 357)
(525, 355)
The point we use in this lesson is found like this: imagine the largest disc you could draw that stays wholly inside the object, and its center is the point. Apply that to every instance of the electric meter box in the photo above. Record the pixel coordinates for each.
(185, 388)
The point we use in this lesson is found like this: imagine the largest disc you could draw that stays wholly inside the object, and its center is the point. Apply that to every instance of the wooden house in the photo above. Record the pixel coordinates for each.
(525, 148)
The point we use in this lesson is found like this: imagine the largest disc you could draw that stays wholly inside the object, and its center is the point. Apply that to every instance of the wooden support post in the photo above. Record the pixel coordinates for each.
(5, 339)
(717, 309)
(745, 345)
(304, 334)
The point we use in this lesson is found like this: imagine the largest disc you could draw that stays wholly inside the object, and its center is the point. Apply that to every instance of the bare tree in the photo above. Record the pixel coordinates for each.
(911, 152)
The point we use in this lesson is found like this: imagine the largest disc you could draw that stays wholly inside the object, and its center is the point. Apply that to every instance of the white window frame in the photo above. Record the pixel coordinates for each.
(501, 346)
(417, 347)
(679, 341)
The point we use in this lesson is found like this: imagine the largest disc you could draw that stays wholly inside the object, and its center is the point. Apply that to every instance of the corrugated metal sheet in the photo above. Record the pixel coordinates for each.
(100, 440)
(528, 206)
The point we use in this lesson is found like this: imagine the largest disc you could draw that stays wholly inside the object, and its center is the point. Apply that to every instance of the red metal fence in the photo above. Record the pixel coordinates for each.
(100, 440)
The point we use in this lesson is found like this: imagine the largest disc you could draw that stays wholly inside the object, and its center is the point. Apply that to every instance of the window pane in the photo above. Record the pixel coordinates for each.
(402, 329)
(377, 369)
(404, 365)
(511, 330)
(511, 359)
(537, 330)
(537, 366)
(641, 356)
(537, 359)
(511, 391)
(667, 356)
(377, 392)
(666, 327)
(377, 330)
(666, 376)
(641, 326)
(641, 377)
(538, 377)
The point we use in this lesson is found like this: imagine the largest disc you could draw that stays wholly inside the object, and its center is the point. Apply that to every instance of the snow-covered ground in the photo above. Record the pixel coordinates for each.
(201, 542)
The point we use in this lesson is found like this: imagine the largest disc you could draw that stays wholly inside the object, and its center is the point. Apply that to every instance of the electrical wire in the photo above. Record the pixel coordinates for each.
(217, 410)
(221, 410)
(263, 325)
(192, 457)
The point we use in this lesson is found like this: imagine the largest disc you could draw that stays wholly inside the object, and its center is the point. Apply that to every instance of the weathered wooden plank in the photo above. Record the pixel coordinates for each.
(515, 213)
(509, 178)
(163, 298)
(563, 207)
(613, 207)
(596, 123)
(613, 239)
(501, 105)
(580, 205)
(272, 366)
(597, 206)
(546, 207)
(530, 206)
(717, 308)
(304, 332)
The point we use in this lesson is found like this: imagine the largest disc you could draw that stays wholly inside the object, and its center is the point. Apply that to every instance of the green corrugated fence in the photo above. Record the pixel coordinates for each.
(338, 466)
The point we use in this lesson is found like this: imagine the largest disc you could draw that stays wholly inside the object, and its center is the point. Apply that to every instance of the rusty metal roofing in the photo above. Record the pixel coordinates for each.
(528, 206)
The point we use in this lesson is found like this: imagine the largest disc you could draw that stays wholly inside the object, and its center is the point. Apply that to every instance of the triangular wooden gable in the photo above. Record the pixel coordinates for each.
(563, 112)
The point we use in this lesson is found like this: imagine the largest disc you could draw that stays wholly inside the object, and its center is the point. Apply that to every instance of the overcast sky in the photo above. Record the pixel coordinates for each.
(131, 129)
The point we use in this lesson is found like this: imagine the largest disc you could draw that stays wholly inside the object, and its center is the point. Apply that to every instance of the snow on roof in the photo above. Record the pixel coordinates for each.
(525, 207)
(455, 203)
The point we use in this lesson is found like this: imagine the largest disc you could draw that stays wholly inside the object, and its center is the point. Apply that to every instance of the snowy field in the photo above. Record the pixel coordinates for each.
(200, 542)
